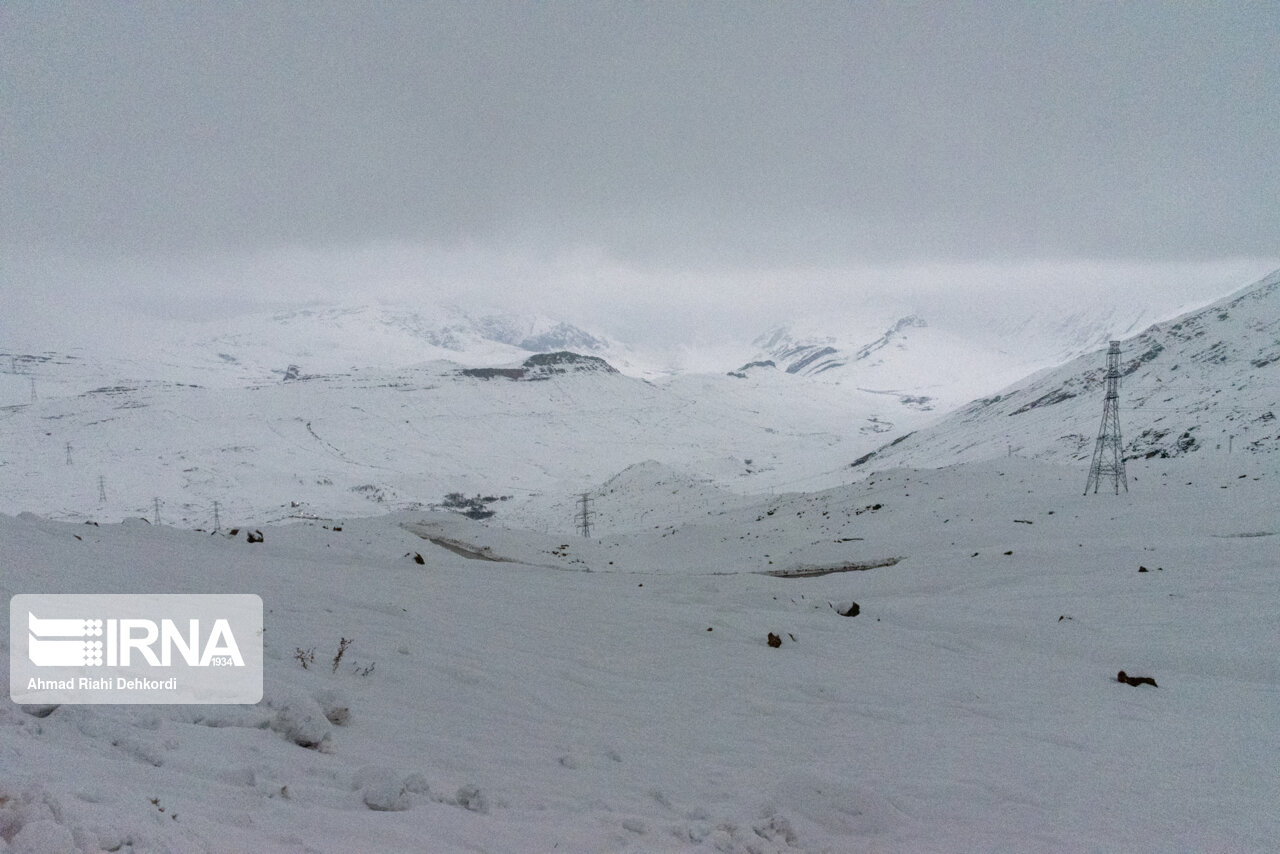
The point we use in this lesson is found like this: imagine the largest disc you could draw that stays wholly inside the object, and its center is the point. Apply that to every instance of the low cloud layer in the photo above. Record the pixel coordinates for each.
(71, 300)
(661, 171)
(737, 135)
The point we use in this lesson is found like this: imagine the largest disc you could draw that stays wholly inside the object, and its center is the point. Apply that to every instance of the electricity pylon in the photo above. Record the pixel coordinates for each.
(1108, 458)
(584, 515)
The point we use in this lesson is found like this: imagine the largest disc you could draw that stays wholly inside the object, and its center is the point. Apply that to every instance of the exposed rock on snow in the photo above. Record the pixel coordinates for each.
(1135, 680)
(544, 366)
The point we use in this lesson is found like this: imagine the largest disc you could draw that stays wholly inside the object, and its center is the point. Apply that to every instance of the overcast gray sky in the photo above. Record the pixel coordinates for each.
(678, 137)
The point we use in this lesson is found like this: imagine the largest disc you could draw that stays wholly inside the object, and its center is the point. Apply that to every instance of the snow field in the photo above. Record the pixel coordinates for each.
(367, 442)
(558, 702)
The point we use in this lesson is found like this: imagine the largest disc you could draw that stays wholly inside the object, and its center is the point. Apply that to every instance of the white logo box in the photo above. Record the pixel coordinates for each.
(135, 648)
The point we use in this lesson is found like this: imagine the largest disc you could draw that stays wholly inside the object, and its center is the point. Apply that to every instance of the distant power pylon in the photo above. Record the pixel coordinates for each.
(1108, 458)
(102, 489)
(584, 515)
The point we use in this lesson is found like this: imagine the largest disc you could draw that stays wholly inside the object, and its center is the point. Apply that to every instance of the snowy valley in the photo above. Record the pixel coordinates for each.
(694, 675)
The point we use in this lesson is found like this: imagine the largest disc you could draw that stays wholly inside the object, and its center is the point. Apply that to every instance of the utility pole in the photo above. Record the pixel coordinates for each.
(217, 523)
(68, 453)
(102, 490)
(1108, 458)
(33, 389)
(156, 503)
(584, 515)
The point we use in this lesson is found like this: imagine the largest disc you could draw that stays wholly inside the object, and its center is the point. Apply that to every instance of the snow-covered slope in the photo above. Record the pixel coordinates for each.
(325, 339)
(365, 441)
(520, 691)
(939, 351)
(259, 347)
(911, 362)
(1206, 382)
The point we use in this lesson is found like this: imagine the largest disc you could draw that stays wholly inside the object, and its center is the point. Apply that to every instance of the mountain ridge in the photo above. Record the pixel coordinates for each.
(1196, 382)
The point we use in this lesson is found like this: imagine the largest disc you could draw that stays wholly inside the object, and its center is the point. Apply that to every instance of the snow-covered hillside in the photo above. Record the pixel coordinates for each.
(326, 339)
(259, 347)
(910, 362)
(941, 350)
(366, 441)
(1205, 382)
(518, 691)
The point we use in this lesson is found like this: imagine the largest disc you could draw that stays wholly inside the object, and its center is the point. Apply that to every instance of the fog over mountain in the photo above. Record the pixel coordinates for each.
(679, 176)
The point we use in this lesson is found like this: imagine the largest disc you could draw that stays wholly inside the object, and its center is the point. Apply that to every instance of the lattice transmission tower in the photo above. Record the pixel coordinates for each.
(1108, 457)
(584, 515)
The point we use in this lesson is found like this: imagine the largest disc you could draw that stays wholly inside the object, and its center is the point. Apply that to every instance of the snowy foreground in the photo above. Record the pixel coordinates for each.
(618, 694)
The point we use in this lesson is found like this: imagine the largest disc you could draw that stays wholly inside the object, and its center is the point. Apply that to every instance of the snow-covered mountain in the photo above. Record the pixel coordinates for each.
(922, 352)
(256, 347)
(273, 443)
(918, 365)
(694, 675)
(940, 351)
(1207, 382)
(326, 339)
(369, 440)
